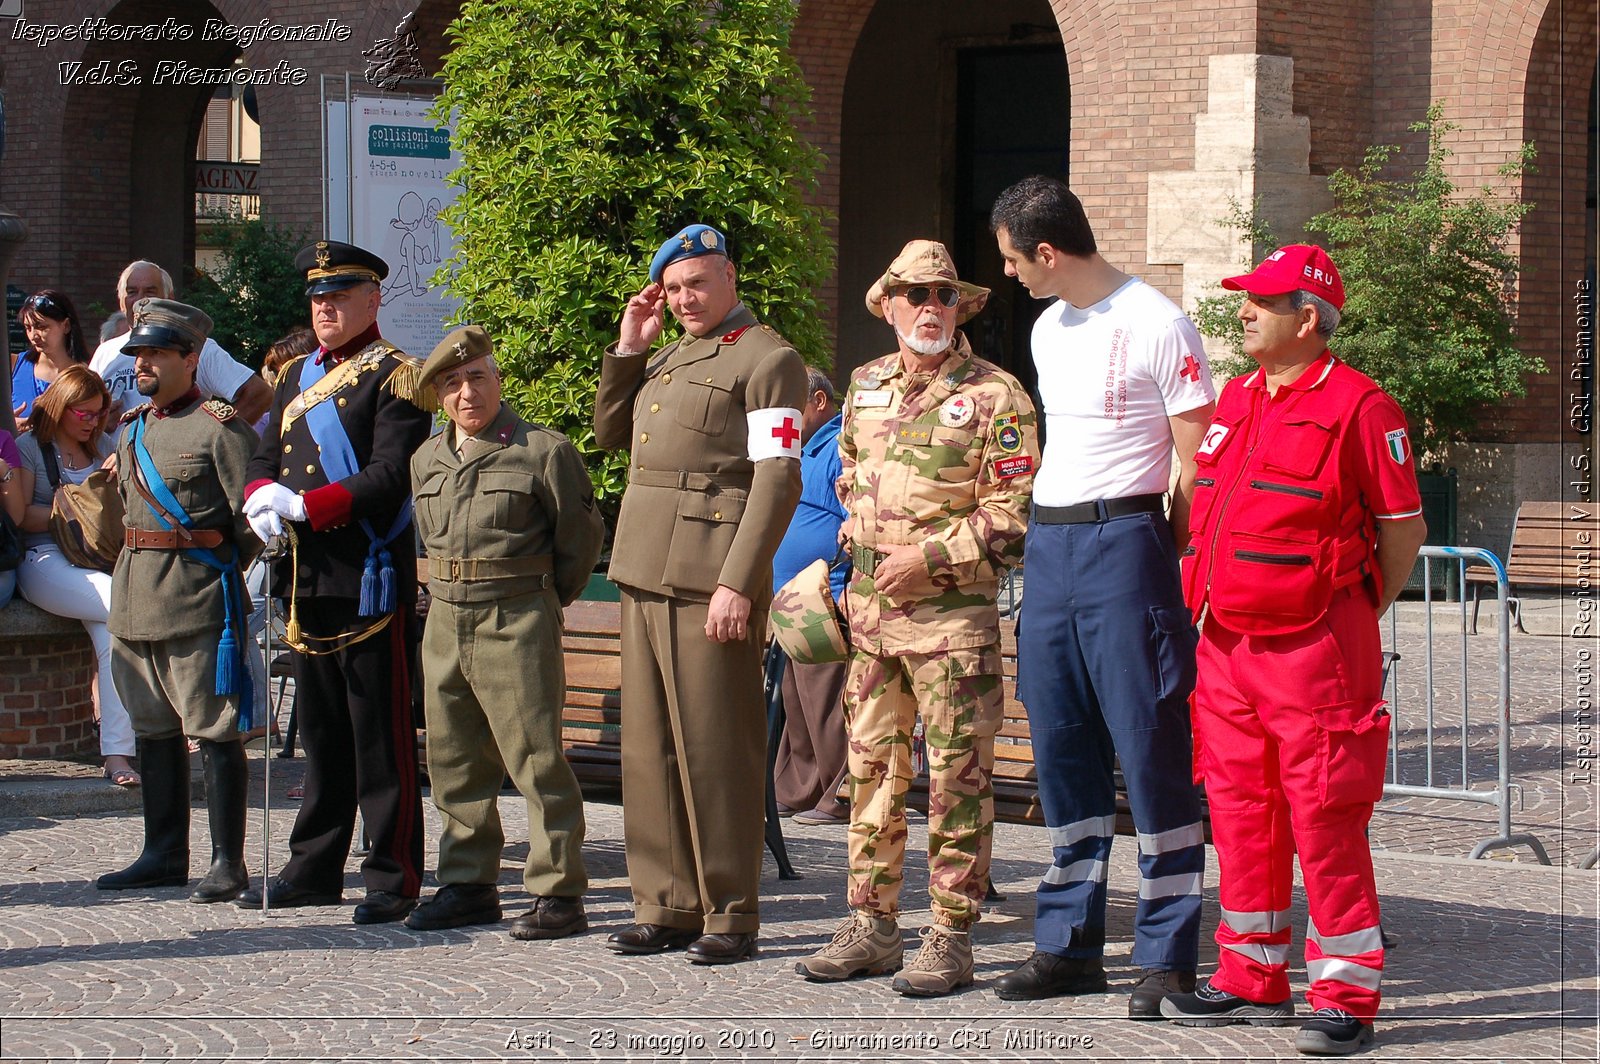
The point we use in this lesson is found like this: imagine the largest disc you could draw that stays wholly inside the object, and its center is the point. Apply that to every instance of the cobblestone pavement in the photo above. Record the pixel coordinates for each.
(1496, 961)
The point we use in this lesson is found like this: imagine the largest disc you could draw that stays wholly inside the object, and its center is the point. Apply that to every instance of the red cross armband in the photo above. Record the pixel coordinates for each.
(774, 432)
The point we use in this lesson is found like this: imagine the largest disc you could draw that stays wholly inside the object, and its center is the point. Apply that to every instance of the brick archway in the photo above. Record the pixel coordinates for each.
(825, 37)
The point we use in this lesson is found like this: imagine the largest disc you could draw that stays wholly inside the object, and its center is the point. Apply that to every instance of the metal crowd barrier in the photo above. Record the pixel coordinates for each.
(1499, 794)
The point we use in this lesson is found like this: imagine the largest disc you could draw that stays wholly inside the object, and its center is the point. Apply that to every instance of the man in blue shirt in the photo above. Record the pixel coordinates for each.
(812, 752)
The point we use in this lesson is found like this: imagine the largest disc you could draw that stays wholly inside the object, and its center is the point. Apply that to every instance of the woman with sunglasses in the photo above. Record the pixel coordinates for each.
(69, 420)
(55, 342)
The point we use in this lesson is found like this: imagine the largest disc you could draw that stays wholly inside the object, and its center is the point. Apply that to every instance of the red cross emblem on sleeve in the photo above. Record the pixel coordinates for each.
(786, 433)
(1191, 369)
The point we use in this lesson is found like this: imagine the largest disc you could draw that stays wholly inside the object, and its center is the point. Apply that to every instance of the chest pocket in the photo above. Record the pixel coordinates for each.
(508, 498)
(430, 505)
(191, 483)
(705, 401)
(1300, 447)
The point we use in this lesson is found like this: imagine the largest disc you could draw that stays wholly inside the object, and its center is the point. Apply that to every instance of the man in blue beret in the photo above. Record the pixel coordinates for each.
(713, 423)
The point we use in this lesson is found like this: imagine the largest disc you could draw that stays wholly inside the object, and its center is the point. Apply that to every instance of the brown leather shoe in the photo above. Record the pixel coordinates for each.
(650, 938)
(722, 948)
(550, 918)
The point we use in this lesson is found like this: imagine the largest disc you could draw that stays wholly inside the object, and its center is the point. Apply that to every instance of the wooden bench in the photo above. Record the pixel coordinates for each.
(1553, 547)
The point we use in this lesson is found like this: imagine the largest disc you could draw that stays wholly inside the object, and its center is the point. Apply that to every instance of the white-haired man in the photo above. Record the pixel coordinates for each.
(219, 375)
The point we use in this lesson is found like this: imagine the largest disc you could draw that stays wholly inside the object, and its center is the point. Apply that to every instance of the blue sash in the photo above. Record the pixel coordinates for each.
(339, 461)
(233, 674)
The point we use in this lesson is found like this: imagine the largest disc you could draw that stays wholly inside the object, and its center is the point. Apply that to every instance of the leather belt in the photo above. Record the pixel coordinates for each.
(463, 570)
(145, 539)
(1085, 513)
(684, 480)
(865, 559)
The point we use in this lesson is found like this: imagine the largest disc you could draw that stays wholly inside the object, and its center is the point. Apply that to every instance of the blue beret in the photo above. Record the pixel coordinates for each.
(694, 240)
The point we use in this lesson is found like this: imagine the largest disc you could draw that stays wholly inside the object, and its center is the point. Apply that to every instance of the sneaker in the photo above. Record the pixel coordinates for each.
(1210, 1007)
(863, 945)
(1333, 1033)
(942, 964)
(1154, 987)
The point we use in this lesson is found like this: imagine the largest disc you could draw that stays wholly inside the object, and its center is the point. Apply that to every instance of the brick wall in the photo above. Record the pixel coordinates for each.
(46, 709)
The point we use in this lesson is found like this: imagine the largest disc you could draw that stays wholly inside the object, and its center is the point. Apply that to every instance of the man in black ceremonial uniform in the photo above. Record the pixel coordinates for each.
(332, 472)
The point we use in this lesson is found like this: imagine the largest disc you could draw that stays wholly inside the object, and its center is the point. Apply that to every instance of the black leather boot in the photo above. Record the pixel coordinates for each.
(164, 765)
(227, 774)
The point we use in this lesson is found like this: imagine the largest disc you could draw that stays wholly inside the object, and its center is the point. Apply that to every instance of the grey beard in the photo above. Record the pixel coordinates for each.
(925, 347)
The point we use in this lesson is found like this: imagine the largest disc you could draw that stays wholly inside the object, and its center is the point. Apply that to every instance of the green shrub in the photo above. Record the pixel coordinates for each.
(590, 131)
(1428, 281)
(257, 295)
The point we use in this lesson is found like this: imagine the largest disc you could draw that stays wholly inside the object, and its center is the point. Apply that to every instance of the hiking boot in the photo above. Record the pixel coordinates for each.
(1210, 1007)
(942, 964)
(1333, 1033)
(863, 945)
(1145, 1001)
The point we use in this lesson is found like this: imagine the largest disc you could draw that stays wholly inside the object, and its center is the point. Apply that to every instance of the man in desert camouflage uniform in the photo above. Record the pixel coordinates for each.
(938, 453)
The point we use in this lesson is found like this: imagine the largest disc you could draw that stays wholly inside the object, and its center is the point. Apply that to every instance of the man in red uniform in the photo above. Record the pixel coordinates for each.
(1305, 522)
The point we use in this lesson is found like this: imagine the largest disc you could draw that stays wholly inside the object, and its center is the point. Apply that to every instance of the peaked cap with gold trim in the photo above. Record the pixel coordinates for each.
(329, 265)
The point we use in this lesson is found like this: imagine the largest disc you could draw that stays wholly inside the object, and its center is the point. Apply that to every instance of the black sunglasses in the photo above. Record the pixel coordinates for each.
(919, 295)
(46, 305)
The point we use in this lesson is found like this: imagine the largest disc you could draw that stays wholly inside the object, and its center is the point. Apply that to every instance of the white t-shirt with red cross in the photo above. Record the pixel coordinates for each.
(1109, 377)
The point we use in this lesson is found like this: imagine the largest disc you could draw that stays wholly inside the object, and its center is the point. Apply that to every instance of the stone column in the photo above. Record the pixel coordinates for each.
(1250, 146)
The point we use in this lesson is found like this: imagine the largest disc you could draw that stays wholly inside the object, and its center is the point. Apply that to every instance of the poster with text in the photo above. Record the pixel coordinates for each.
(400, 165)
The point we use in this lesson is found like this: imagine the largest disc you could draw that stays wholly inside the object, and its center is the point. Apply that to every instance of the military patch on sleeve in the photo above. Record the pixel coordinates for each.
(1008, 433)
(218, 409)
(1014, 466)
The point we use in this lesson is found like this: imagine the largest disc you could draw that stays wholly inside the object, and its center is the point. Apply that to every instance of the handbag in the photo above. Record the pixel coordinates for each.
(85, 519)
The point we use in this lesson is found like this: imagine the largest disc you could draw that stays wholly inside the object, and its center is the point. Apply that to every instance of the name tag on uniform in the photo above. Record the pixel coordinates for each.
(879, 397)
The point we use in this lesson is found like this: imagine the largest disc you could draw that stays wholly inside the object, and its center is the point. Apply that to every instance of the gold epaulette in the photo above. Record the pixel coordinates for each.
(129, 415)
(220, 410)
(404, 380)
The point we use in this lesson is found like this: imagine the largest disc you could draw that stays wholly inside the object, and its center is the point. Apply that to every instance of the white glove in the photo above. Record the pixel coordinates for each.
(275, 498)
(265, 524)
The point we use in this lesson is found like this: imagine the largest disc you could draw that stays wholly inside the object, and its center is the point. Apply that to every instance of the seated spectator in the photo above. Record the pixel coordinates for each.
(14, 499)
(55, 342)
(69, 420)
(220, 375)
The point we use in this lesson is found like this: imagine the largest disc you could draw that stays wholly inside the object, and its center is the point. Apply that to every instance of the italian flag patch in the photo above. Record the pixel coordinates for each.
(1399, 450)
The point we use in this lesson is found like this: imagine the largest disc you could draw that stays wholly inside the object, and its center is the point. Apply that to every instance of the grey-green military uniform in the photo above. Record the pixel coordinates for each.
(698, 512)
(167, 608)
(511, 533)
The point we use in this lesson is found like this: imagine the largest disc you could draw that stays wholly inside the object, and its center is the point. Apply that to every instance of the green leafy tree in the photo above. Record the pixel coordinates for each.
(1428, 277)
(257, 295)
(590, 130)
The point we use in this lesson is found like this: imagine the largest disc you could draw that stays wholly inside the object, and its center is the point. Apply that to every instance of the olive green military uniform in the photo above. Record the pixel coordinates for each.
(697, 513)
(167, 608)
(511, 533)
(944, 460)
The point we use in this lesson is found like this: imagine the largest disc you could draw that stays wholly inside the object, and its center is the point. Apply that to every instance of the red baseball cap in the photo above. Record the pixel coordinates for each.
(1289, 268)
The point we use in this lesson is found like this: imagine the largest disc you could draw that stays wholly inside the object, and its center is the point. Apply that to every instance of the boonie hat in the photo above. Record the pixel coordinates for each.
(1293, 267)
(168, 323)
(926, 262)
(805, 618)
(692, 241)
(329, 265)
